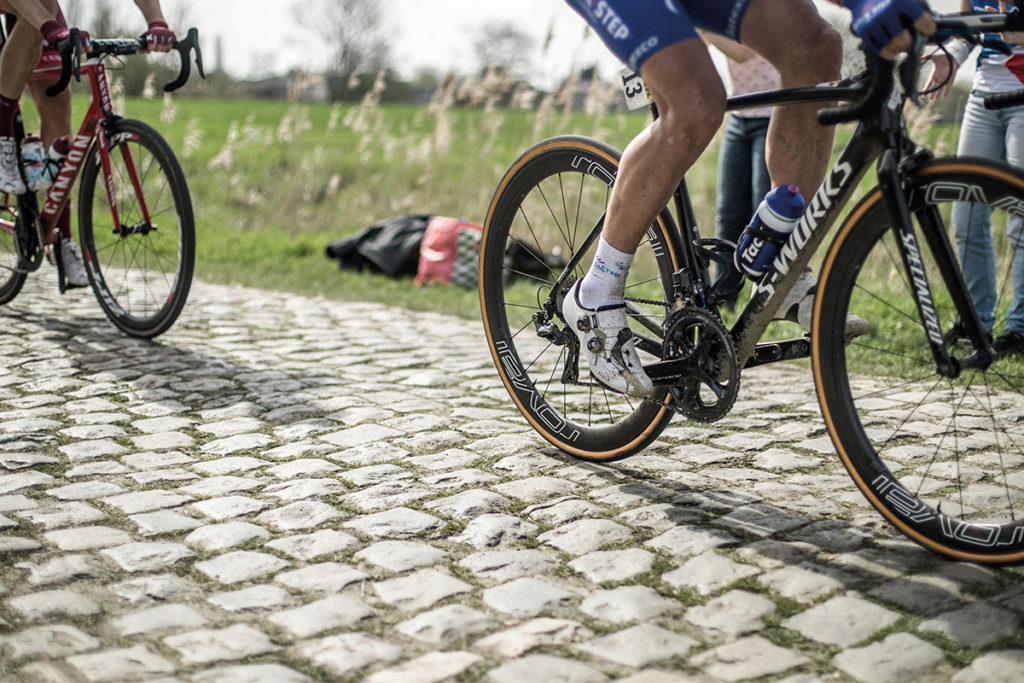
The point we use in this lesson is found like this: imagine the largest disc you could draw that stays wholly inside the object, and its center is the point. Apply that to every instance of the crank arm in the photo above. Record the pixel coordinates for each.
(776, 351)
(669, 373)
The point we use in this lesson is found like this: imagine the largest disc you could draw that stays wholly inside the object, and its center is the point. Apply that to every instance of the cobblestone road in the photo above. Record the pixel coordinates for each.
(284, 489)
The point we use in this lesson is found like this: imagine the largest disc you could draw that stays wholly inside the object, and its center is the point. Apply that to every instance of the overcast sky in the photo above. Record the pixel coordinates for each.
(261, 36)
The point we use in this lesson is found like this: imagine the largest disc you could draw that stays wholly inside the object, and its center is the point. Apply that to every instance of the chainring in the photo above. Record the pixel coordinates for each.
(708, 389)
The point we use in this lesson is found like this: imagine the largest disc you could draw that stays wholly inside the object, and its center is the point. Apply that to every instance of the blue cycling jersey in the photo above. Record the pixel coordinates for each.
(636, 29)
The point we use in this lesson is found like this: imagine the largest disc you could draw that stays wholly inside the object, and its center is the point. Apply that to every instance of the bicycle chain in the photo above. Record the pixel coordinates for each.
(649, 302)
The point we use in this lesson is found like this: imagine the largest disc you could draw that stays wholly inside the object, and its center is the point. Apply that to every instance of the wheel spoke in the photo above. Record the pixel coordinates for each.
(939, 452)
(547, 208)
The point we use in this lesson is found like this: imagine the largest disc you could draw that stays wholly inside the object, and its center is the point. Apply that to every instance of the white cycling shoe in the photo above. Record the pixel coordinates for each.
(609, 345)
(74, 264)
(10, 174)
(798, 307)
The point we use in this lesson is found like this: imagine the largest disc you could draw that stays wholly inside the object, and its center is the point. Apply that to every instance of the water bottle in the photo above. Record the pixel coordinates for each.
(33, 161)
(774, 219)
(55, 159)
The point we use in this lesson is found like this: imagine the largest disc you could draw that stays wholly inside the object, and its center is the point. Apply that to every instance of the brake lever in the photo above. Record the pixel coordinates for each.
(910, 69)
(185, 48)
(70, 50)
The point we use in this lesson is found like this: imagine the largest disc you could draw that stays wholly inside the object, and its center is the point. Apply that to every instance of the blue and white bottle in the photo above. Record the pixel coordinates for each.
(769, 229)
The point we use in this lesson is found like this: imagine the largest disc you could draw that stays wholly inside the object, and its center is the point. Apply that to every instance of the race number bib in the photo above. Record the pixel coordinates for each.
(634, 89)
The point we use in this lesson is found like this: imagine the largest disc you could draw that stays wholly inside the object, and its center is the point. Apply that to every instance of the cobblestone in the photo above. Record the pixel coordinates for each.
(525, 597)
(290, 489)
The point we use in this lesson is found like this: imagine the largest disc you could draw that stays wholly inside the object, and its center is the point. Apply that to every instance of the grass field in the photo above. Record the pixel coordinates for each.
(273, 183)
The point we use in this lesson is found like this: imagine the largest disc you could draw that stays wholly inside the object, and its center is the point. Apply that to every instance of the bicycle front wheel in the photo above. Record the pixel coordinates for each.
(941, 458)
(547, 204)
(140, 266)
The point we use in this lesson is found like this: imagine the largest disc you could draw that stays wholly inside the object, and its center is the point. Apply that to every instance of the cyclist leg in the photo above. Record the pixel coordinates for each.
(661, 42)
(55, 122)
(54, 112)
(691, 105)
(24, 44)
(805, 50)
(20, 55)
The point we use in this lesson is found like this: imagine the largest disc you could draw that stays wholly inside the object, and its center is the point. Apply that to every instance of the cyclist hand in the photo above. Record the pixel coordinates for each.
(159, 38)
(54, 32)
(880, 24)
(1008, 37)
(941, 80)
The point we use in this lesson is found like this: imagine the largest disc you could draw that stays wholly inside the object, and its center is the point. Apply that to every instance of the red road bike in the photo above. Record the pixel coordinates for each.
(135, 222)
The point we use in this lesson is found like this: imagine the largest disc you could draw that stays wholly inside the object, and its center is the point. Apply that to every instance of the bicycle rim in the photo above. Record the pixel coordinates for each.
(940, 458)
(11, 280)
(547, 204)
(141, 274)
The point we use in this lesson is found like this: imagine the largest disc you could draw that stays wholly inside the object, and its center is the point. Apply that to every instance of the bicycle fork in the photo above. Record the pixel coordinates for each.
(894, 199)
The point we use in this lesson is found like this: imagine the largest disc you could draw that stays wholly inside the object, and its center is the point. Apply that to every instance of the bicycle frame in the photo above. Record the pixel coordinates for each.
(823, 209)
(92, 130)
(883, 138)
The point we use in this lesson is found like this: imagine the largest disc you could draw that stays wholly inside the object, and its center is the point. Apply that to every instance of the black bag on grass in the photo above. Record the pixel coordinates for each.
(391, 247)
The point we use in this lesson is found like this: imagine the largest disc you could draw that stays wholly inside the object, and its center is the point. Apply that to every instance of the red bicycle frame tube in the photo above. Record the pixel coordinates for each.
(92, 128)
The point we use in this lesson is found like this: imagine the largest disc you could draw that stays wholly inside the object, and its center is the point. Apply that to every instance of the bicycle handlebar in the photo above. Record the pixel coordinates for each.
(876, 92)
(965, 25)
(184, 47)
(70, 51)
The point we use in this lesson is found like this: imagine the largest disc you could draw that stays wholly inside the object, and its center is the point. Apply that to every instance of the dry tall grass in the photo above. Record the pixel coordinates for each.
(331, 168)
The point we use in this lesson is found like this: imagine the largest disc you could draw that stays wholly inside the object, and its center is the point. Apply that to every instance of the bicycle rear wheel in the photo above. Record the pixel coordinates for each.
(942, 459)
(11, 280)
(141, 271)
(546, 205)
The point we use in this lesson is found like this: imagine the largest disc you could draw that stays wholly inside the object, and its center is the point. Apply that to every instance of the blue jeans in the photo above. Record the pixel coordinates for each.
(997, 134)
(742, 183)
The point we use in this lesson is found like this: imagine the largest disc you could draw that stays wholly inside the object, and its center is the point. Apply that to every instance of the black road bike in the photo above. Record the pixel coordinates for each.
(929, 422)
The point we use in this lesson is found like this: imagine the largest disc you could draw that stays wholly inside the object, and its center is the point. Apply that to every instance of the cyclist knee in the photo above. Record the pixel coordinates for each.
(815, 57)
(692, 120)
(823, 55)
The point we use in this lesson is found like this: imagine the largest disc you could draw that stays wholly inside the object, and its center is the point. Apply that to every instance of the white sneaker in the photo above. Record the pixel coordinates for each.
(798, 307)
(74, 265)
(609, 345)
(10, 174)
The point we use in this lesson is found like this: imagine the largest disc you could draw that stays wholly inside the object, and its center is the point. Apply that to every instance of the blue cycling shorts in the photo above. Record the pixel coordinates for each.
(636, 29)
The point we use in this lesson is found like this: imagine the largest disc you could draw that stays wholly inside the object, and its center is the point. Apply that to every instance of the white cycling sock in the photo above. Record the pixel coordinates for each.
(605, 282)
